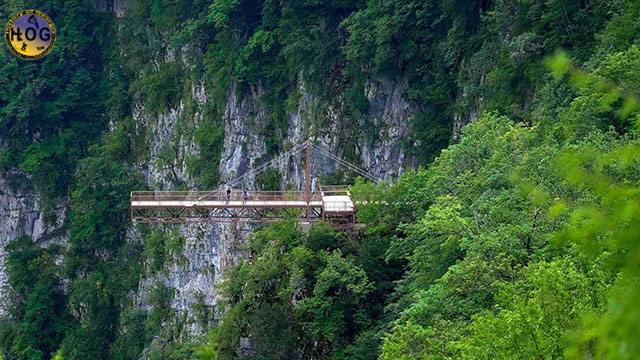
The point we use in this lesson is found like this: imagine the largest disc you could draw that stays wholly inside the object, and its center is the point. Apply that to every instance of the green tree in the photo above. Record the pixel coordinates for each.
(39, 304)
(100, 264)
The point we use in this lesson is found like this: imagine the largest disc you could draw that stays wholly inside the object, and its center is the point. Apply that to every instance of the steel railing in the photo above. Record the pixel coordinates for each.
(332, 190)
(221, 196)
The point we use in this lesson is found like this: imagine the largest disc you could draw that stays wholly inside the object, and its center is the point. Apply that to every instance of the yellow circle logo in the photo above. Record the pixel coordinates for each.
(30, 34)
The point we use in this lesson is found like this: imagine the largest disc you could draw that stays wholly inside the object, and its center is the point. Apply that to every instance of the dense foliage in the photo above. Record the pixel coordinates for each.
(517, 238)
(52, 109)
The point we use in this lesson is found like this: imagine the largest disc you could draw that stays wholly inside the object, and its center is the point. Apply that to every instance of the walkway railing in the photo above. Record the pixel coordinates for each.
(193, 196)
(333, 190)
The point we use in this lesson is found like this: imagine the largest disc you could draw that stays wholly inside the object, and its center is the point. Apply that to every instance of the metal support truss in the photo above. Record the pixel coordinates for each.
(223, 214)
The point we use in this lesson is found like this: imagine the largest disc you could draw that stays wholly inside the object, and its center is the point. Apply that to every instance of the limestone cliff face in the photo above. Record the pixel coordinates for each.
(20, 215)
(381, 154)
(170, 141)
(391, 113)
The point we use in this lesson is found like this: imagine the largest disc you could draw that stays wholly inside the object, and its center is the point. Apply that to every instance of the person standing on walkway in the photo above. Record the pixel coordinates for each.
(228, 194)
(245, 197)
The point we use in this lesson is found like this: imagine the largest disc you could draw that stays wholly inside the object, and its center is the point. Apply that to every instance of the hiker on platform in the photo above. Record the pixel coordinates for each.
(245, 197)
(228, 194)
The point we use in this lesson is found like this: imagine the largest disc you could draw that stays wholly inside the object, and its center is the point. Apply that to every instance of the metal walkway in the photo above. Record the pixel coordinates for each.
(329, 203)
(195, 206)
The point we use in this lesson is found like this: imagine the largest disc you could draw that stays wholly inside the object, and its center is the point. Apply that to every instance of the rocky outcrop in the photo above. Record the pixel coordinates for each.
(20, 215)
(170, 141)
(244, 121)
(381, 154)
(390, 114)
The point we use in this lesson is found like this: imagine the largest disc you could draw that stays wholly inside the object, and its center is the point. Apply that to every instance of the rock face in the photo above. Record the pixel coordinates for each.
(391, 114)
(208, 250)
(243, 147)
(170, 141)
(381, 154)
(20, 215)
